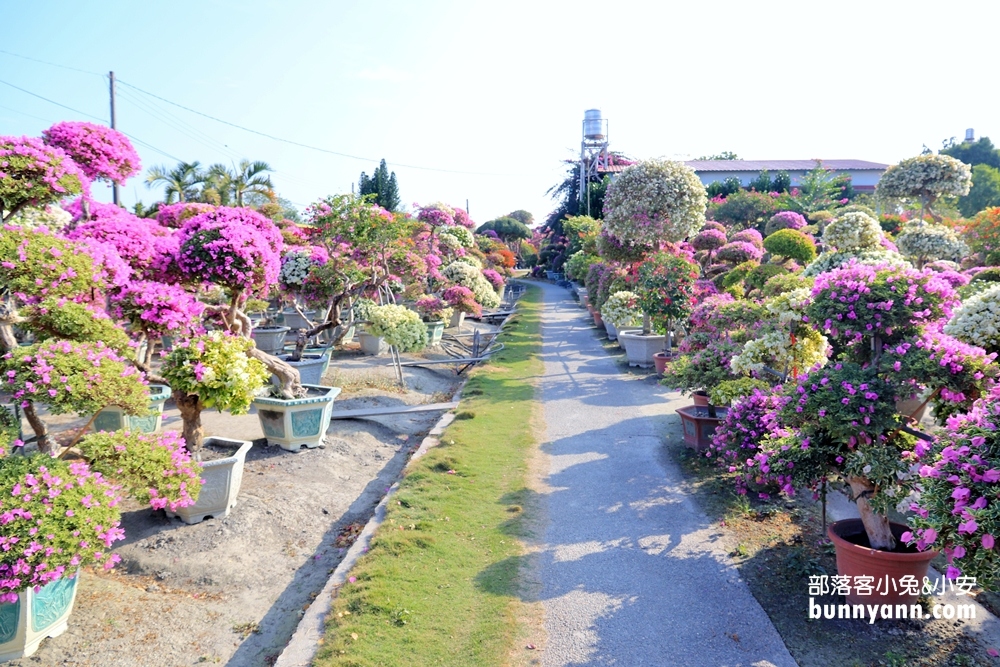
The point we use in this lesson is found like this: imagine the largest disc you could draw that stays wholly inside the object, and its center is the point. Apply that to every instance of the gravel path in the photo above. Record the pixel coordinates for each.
(631, 572)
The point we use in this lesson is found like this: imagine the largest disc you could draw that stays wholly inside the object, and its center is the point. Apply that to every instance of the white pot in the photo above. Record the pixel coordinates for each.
(222, 478)
(295, 321)
(372, 345)
(35, 616)
(269, 339)
(611, 329)
(457, 318)
(640, 349)
(298, 422)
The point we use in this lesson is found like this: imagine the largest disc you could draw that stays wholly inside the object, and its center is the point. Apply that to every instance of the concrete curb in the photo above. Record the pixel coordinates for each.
(304, 644)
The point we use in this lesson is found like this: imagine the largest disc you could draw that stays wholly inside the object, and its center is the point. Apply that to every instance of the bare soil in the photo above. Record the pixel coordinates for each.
(231, 591)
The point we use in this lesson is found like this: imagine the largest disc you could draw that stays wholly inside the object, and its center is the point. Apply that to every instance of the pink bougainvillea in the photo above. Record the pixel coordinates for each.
(131, 236)
(494, 277)
(233, 247)
(101, 152)
(33, 174)
(157, 309)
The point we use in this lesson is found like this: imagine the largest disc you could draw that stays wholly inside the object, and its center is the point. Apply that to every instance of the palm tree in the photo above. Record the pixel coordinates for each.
(218, 185)
(249, 177)
(181, 181)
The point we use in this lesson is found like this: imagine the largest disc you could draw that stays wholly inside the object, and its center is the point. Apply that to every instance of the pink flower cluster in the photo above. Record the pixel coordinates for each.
(463, 300)
(234, 247)
(49, 169)
(101, 152)
(157, 309)
(131, 237)
(494, 277)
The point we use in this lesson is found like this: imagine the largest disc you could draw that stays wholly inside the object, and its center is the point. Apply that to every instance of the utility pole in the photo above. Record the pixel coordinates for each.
(114, 186)
(467, 207)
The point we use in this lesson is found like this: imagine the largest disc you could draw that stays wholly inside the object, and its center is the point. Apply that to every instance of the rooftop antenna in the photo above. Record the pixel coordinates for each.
(593, 151)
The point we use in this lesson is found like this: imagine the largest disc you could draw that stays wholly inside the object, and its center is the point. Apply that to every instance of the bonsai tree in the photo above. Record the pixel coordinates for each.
(463, 300)
(706, 242)
(791, 244)
(853, 236)
(216, 370)
(36, 175)
(843, 416)
(154, 309)
(784, 220)
(654, 202)
(433, 308)
(928, 242)
(927, 178)
(101, 152)
(622, 309)
(665, 287)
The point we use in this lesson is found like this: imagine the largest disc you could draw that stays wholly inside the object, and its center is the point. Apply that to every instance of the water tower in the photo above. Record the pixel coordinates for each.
(593, 151)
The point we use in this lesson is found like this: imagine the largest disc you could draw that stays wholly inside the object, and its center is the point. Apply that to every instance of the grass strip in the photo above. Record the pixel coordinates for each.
(439, 584)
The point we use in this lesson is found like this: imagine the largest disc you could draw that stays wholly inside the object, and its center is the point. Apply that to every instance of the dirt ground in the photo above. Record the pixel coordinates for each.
(231, 591)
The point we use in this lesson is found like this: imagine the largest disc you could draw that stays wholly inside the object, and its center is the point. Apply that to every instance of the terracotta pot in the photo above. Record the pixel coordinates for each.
(699, 426)
(598, 321)
(856, 560)
(660, 360)
(700, 398)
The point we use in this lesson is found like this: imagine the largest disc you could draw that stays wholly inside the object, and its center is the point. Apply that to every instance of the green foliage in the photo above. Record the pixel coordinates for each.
(724, 188)
(522, 216)
(152, 468)
(399, 326)
(984, 193)
(793, 244)
(578, 230)
(728, 391)
(51, 266)
(59, 318)
(974, 153)
(215, 367)
(745, 209)
(578, 264)
(759, 275)
(724, 155)
(26, 178)
(382, 185)
(702, 370)
(507, 228)
(987, 276)
(821, 189)
(781, 283)
(736, 275)
(10, 427)
(666, 286)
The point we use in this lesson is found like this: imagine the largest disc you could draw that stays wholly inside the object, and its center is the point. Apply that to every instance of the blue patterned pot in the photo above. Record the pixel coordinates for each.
(35, 616)
(434, 332)
(113, 418)
(299, 422)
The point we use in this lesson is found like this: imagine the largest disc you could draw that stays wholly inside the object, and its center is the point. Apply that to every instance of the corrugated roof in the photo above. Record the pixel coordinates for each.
(783, 165)
(612, 168)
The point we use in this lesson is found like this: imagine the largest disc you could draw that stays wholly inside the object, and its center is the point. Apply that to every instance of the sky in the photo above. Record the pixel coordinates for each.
(482, 101)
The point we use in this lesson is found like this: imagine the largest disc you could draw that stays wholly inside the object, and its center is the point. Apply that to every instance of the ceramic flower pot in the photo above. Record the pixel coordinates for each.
(856, 558)
(457, 319)
(298, 422)
(611, 329)
(372, 345)
(661, 359)
(640, 349)
(270, 339)
(700, 398)
(699, 426)
(434, 332)
(112, 418)
(35, 616)
(295, 321)
(221, 480)
(311, 367)
(598, 320)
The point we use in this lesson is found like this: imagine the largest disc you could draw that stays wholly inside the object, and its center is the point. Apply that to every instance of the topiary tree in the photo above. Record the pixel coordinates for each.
(101, 152)
(927, 178)
(666, 286)
(923, 242)
(653, 202)
(35, 174)
(784, 220)
(791, 244)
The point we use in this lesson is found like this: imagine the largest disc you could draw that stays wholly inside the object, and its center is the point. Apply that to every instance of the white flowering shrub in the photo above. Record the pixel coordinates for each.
(928, 242)
(654, 201)
(462, 234)
(853, 231)
(832, 260)
(790, 306)
(622, 309)
(399, 326)
(449, 243)
(471, 277)
(782, 352)
(295, 266)
(470, 260)
(52, 217)
(927, 177)
(977, 320)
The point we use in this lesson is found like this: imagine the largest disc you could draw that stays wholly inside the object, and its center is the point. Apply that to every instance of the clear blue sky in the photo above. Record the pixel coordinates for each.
(499, 88)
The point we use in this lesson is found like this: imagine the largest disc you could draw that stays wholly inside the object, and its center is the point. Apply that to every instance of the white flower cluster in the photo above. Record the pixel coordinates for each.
(853, 230)
(622, 309)
(399, 326)
(929, 242)
(790, 306)
(977, 320)
(829, 261)
(449, 242)
(469, 276)
(470, 260)
(295, 266)
(926, 176)
(779, 351)
(52, 217)
(653, 201)
(462, 234)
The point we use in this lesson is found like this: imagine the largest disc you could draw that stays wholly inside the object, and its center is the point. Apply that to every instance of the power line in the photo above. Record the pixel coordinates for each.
(45, 62)
(301, 145)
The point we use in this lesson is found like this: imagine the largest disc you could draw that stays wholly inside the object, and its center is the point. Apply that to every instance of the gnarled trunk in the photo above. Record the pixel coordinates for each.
(190, 407)
(876, 525)
(45, 442)
(288, 376)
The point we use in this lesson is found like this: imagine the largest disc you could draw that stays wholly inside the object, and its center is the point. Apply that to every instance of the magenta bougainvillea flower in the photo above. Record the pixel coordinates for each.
(101, 152)
(34, 174)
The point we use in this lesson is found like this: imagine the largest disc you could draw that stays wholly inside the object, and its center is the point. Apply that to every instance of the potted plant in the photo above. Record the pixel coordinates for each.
(665, 285)
(399, 327)
(59, 517)
(463, 302)
(843, 417)
(435, 313)
(620, 311)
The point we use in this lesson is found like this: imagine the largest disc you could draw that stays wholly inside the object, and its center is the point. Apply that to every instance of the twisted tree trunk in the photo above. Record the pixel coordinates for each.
(876, 525)
(190, 407)
(45, 442)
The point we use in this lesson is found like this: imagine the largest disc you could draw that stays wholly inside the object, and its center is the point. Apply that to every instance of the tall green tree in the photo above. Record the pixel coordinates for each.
(973, 153)
(724, 155)
(523, 216)
(984, 193)
(181, 182)
(383, 185)
(250, 177)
